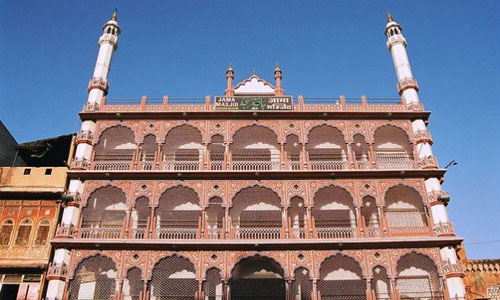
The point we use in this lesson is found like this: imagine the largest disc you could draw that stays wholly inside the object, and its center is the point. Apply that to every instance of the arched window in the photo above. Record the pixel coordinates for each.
(297, 218)
(256, 214)
(95, 278)
(292, 150)
(302, 285)
(178, 214)
(173, 278)
(257, 276)
(417, 277)
(361, 152)
(104, 214)
(326, 148)
(6, 232)
(341, 278)
(213, 285)
(334, 213)
(42, 233)
(24, 232)
(255, 148)
(380, 284)
(215, 218)
(405, 212)
(140, 217)
(148, 152)
(369, 214)
(393, 148)
(183, 149)
(132, 285)
(217, 150)
(115, 149)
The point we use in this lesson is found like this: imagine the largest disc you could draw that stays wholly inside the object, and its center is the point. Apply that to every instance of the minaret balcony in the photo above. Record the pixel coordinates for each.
(423, 136)
(452, 269)
(438, 197)
(407, 83)
(57, 271)
(75, 199)
(444, 229)
(84, 136)
(66, 231)
(91, 107)
(429, 162)
(98, 83)
(80, 164)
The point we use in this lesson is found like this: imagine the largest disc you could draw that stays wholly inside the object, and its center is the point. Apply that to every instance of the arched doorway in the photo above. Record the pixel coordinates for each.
(257, 278)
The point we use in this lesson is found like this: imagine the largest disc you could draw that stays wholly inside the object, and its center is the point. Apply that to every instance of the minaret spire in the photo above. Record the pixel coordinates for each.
(229, 77)
(114, 17)
(278, 76)
(389, 17)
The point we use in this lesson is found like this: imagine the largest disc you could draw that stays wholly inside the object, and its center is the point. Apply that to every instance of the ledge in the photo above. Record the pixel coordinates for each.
(233, 175)
(305, 115)
(290, 244)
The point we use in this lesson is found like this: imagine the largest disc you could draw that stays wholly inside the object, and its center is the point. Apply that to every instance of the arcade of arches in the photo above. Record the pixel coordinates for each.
(241, 275)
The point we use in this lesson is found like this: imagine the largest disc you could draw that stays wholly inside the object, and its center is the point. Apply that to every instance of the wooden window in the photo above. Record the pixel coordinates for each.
(6, 232)
(42, 234)
(24, 232)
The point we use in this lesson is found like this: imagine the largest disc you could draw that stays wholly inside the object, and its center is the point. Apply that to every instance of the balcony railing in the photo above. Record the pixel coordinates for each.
(101, 233)
(444, 228)
(394, 160)
(256, 233)
(336, 233)
(177, 233)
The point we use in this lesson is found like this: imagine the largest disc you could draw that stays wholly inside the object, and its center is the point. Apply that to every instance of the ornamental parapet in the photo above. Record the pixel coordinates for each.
(208, 104)
(415, 106)
(483, 265)
(98, 83)
(57, 271)
(438, 197)
(429, 162)
(452, 269)
(80, 164)
(66, 231)
(407, 83)
(422, 136)
(444, 229)
(84, 136)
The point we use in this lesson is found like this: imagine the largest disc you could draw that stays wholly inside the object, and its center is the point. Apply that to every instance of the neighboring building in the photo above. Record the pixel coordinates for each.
(253, 196)
(482, 277)
(30, 200)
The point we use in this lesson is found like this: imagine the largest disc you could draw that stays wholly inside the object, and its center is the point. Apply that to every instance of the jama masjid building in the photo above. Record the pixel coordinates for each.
(255, 194)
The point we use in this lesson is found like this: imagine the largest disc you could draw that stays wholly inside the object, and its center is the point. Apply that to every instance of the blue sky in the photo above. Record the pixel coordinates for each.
(325, 49)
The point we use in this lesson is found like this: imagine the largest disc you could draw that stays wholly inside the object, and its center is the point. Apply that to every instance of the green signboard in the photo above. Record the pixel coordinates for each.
(254, 103)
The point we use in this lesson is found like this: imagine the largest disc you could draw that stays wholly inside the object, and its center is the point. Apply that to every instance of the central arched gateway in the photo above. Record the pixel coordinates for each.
(257, 277)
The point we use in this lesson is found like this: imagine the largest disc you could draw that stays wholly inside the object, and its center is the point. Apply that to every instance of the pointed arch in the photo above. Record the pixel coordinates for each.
(213, 286)
(183, 148)
(293, 148)
(178, 214)
(301, 287)
(104, 212)
(333, 213)
(133, 285)
(94, 278)
(173, 276)
(326, 148)
(417, 277)
(255, 148)
(405, 212)
(256, 214)
(393, 148)
(341, 277)
(115, 148)
(380, 283)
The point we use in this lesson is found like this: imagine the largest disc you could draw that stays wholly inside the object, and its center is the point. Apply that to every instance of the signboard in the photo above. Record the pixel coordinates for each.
(253, 103)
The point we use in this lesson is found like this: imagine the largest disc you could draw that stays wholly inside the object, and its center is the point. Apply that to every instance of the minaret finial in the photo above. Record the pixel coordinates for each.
(230, 66)
(254, 72)
(389, 17)
(115, 15)
(277, 67)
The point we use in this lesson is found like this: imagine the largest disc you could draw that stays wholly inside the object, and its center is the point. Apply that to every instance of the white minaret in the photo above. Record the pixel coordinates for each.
(408, 89)
(97, 88)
